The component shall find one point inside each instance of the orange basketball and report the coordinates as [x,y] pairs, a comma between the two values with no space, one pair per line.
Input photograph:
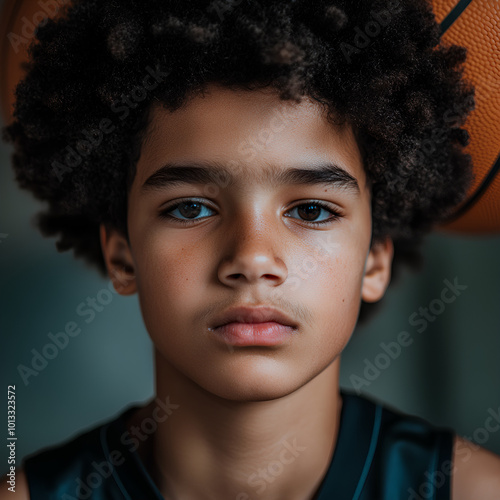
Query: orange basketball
[474,24]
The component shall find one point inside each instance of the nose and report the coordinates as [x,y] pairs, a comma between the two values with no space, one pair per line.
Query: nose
[252,257]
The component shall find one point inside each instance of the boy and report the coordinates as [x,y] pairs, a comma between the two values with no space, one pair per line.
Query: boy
[199,153]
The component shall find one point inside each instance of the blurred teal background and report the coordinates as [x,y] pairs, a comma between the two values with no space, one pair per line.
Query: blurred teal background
[449,375]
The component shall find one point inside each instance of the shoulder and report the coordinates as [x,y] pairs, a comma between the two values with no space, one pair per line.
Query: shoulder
[21,488]
[409,456]
[476,472]
[50,471]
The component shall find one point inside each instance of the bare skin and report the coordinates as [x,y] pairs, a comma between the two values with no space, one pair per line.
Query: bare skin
[251,245]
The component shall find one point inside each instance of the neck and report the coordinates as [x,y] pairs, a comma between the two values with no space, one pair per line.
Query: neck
[211,447]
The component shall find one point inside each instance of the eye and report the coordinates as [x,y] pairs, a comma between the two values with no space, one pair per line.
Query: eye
[189,211]
[312,210]
[189,208]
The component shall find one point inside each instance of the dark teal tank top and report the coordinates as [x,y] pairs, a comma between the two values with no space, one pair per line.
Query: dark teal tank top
[381,454]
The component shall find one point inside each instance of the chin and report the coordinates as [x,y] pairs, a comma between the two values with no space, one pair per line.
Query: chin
[255,382]
[249,394]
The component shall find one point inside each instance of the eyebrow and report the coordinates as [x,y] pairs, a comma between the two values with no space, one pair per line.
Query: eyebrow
[175,174]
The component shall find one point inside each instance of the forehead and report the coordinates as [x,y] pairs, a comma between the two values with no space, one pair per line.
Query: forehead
[252,129]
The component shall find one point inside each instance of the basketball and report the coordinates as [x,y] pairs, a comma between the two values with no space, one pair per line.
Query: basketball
[473,24]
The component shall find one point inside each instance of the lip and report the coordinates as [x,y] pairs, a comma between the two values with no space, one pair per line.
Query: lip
[267,333]
[247,326]
[253,315]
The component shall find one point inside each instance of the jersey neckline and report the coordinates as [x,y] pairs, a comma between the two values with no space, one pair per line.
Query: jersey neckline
[357,438]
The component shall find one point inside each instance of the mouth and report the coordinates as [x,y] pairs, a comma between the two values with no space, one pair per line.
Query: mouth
[254,326]
[268,333]
[253,315]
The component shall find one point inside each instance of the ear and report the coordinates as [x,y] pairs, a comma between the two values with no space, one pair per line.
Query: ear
[119,261]
[377,271]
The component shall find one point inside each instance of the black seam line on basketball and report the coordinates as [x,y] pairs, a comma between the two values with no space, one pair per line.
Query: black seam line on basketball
[454,15]
[495,168]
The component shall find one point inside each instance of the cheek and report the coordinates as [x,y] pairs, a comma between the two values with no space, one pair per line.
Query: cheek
[168,279]
[332,291]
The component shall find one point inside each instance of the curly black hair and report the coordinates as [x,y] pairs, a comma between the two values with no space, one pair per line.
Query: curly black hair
[381,66]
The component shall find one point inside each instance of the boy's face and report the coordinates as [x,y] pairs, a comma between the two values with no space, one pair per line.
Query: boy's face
[250,242]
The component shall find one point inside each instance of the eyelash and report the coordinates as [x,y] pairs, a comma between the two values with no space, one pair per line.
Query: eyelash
[164,214]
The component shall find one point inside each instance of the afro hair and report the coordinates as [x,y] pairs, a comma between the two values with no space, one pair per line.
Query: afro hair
[82,109]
